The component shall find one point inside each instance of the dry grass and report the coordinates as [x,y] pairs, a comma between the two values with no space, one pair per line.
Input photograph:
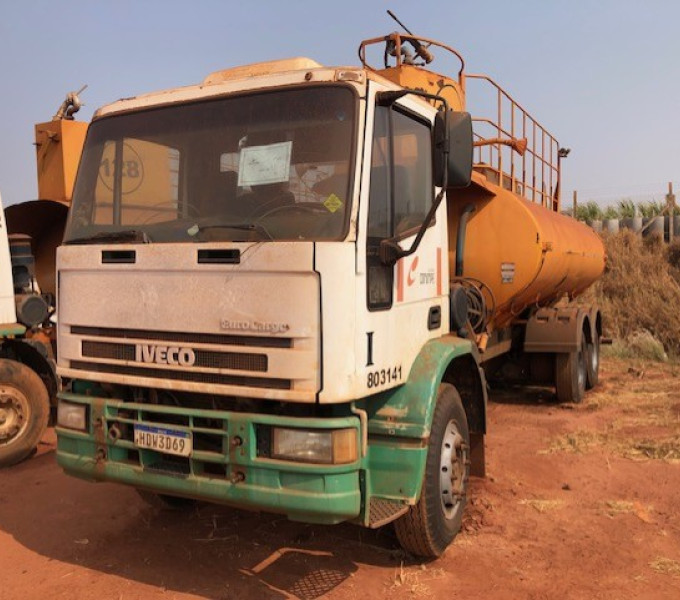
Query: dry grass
[542,506]
[618,507]
[577,442]
[640,292]
[415,579]
[666,566]
[640,402]
[619,441]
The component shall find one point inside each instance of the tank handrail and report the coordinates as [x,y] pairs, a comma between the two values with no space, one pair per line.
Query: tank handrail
[545,196]
[545,164]
[500,131]
[509,97]
[396,38]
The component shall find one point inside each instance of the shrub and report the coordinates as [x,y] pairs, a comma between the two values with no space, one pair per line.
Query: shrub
[627,209]
[651,209]
[590,211]
[611,213]
[640,291]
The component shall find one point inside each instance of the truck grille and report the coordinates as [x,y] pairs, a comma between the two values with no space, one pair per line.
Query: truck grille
[204,358]
[184,338]
[114,351]
[215,378]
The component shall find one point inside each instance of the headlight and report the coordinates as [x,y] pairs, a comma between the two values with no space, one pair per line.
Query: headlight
[337,446]
[72,416]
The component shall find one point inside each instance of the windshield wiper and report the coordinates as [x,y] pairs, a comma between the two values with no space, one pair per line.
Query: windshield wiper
[113,237]
[257,227]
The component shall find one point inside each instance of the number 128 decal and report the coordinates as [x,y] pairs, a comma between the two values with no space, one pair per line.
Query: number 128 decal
[382,377]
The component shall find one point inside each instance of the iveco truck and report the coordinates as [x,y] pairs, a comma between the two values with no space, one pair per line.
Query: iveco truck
[284,289]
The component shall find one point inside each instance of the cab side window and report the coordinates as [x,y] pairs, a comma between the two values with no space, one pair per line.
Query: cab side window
[402,146]
[411,155]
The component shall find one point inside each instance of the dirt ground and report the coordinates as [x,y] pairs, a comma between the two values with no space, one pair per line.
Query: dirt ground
[579,503]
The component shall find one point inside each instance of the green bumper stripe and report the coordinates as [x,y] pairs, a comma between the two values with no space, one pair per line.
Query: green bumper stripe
[330,500]
[312,493]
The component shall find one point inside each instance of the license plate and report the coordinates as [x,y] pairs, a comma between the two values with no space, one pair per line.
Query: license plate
[160,439]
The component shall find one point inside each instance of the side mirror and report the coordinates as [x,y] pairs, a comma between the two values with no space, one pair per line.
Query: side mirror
[456,129]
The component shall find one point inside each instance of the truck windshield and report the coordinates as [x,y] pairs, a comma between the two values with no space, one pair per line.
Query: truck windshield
[263,166]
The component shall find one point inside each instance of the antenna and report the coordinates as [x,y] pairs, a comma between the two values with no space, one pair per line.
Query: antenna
[389,12]
[421,50]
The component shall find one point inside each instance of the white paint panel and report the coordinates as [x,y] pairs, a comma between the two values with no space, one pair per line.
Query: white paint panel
[273,292]
[335,264]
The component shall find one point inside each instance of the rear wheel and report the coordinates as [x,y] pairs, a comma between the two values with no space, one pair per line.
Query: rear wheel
[571,375]
[24,410]
[593,362]
[430,526]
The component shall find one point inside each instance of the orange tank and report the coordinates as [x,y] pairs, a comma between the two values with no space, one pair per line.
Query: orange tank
[526,254]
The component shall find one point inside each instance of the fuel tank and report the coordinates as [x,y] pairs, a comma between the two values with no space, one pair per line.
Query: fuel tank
[525,253]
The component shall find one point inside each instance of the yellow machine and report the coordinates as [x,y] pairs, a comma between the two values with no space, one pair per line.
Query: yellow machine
[58,143]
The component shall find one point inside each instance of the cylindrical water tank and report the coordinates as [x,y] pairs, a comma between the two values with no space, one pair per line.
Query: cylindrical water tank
[526,254]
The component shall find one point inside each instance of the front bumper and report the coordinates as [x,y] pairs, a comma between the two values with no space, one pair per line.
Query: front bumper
[218,469]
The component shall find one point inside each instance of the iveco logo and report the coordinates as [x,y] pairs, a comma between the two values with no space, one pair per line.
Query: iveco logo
[165,355]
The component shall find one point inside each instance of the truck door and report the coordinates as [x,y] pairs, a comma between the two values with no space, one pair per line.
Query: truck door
[404,302]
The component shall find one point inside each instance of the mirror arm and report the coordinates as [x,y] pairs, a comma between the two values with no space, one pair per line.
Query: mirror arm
[389,254]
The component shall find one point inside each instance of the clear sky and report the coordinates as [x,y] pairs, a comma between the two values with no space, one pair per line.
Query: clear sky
[602,75]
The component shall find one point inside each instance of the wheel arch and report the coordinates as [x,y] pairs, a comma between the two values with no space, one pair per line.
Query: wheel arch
[591,323]
[558,329]
[406,411]
[465,374]
[36,356]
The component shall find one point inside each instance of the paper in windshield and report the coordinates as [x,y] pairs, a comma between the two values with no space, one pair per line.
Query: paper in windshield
[265,164]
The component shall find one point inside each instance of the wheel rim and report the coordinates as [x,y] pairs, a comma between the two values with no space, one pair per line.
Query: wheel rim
[452,470]
[14,414]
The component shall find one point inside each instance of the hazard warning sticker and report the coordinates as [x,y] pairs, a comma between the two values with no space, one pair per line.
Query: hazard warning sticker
[332,203]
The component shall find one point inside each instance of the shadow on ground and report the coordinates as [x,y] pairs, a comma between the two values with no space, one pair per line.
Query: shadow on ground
[211,551]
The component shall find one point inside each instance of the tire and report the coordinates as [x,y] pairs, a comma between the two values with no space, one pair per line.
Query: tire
[571,375]
[24,411]
[430,526]
[166,501]
[593,362]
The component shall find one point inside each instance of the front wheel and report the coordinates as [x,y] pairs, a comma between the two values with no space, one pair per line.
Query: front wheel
[24,411]
[430,526]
